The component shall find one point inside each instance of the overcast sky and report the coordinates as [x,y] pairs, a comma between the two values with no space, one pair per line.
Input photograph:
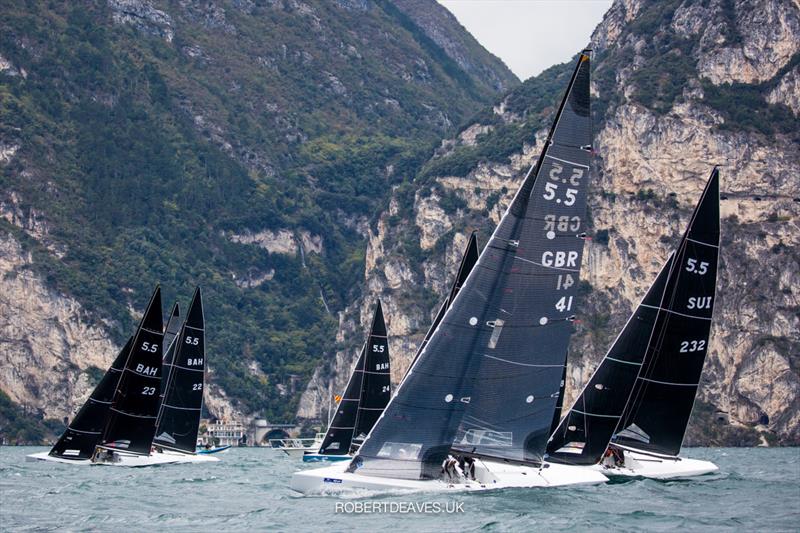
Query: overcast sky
[530,35]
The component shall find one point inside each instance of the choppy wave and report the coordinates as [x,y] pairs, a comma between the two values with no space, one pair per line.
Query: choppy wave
[756,489]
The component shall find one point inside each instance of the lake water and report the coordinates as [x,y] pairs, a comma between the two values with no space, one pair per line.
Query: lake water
[756,489]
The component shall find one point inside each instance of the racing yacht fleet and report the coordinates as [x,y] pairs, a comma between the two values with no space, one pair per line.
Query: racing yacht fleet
[480,406]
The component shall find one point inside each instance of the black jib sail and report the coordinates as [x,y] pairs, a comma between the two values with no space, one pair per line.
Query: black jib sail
[340,431]
[131,422]
[376,385]
[659,407]
[179,417]
[500,348]
[583,436]
[86,429]
[468,261]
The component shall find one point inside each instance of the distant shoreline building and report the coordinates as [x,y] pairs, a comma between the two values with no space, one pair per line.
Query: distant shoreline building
[221,433]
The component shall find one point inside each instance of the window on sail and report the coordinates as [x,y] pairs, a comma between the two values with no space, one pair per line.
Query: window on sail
[487,437]
[572,447]
[498,328]
[400,450]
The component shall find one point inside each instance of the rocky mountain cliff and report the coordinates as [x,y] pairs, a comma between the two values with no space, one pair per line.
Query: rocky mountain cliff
[242,145]
[679,86]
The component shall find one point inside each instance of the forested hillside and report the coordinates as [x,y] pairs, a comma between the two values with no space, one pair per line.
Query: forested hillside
[240,145]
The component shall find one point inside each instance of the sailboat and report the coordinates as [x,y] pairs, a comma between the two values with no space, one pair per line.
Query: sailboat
[130,426]
[367,393]
[76,445]
[631,416]
[486,384]
[179,414]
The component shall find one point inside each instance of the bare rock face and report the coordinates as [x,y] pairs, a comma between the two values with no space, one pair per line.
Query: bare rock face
[281,241]
[143,16]
[787,92]
[758,37]
[649,171]
[44,334]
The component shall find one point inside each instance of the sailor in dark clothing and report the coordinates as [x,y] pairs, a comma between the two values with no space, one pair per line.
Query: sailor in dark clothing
[469,468]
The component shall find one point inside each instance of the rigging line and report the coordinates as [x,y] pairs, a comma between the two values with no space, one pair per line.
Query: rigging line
[595,414]
[187,368]
[621,361]
[545,266]
[666,310]
[703,243]
[182,408]
[135,373]
[85,432]
[520,364]
[669,382]
[568,162]
[522,274]
[130,414]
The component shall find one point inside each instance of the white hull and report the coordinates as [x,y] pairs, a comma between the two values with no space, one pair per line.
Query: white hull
[43,456]
[130,460]
[489,476]
[296,452]
[640,465]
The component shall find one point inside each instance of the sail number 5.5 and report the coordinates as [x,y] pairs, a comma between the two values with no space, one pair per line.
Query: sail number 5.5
[149,347]
[698,268]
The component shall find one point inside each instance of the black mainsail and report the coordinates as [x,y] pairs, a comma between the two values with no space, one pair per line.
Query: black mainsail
[488,378]
[468,261]
[661,402]
[131,421]
[367,393]
[340,431]
[85,430]
[376,385]
[179,417]
[583,435]
[535,259]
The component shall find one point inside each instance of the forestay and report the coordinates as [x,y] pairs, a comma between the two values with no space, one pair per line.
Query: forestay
[659,407]
[583,435]
[179,416]
[498,353]
[131,422]
[86,428]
